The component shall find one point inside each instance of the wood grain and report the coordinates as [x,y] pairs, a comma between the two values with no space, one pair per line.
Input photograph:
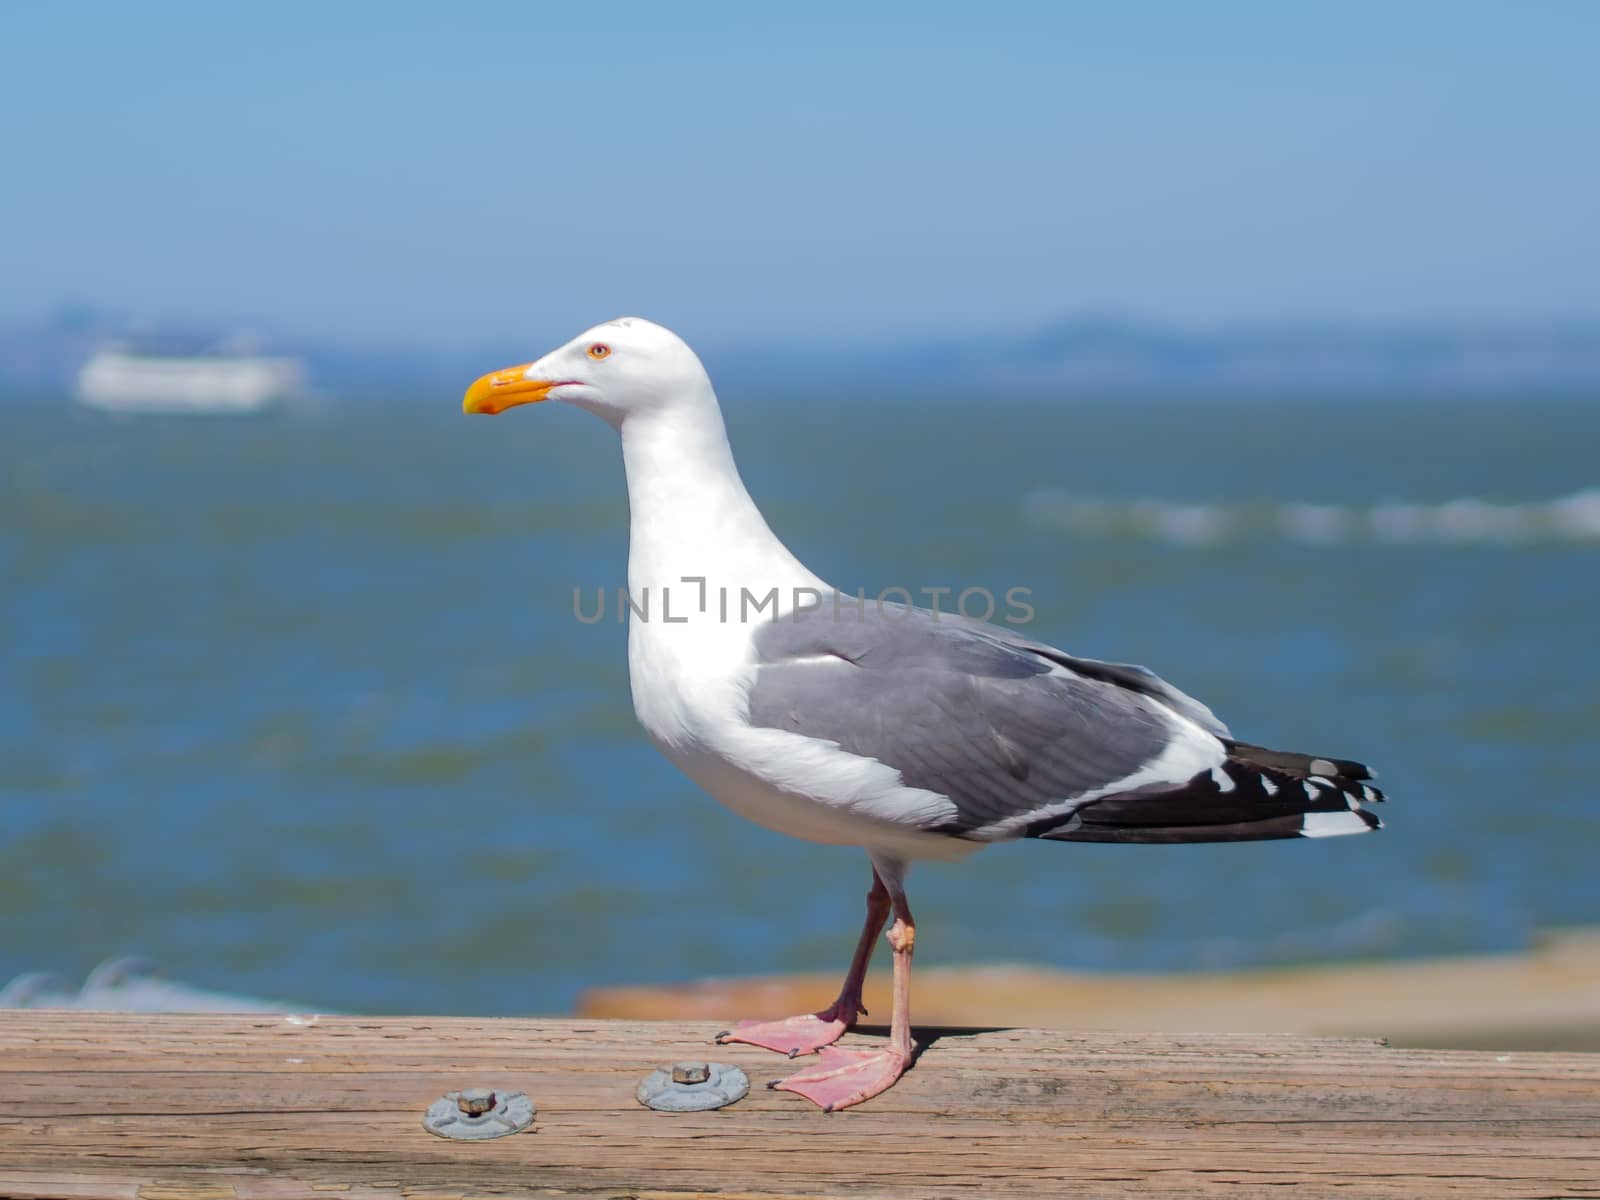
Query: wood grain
[209,1107]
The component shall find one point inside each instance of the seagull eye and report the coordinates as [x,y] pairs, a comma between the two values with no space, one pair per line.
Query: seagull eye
[599,350]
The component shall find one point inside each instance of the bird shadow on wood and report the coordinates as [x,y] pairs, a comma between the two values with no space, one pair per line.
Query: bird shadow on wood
[924,1036]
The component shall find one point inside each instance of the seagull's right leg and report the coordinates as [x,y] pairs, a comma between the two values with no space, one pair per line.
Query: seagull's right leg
[811,1032]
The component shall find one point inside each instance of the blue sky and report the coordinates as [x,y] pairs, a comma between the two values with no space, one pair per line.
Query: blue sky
[476,172]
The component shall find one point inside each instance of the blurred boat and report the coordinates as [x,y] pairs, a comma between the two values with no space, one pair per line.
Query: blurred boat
[225,380]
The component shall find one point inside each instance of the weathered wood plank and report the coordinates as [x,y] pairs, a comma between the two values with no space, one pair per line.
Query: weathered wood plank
[186,1107]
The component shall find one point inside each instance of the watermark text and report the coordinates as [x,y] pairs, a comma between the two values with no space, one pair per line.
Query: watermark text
[692,598]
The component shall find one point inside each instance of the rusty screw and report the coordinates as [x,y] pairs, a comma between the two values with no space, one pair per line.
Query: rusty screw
[474,1102]
[691,1073]
[692,1087]
[476,1114]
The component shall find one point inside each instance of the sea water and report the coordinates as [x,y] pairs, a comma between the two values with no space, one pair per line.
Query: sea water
[299,707]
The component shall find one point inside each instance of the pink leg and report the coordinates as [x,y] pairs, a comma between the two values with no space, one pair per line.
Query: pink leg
[809,1033]
[845,1077]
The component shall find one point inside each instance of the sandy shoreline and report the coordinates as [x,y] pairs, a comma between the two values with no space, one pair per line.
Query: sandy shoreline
[1544,998]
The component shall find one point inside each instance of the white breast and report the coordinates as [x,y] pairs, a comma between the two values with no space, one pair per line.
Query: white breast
[697,546]
[690,691]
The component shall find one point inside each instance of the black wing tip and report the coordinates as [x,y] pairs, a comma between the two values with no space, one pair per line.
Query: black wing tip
[1300,764]
[1239,800]
[1299,825]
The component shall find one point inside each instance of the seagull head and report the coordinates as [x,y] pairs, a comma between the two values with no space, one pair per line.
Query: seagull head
[616,370]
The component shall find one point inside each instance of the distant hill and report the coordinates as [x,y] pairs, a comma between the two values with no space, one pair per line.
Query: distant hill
[1100,354]
[1083,354]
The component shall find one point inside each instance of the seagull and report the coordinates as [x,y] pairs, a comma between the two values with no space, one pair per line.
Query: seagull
[911,733]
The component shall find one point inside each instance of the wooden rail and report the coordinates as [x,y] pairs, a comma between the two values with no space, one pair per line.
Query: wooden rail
[216,1107]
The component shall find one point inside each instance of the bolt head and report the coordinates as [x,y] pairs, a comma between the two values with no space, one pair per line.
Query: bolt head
[474,1102]
[691,1073]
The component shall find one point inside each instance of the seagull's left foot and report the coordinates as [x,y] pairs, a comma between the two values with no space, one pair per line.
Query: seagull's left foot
[792,1036]
[846,1077]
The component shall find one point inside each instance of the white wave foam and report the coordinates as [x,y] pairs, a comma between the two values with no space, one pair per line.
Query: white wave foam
[1464,521]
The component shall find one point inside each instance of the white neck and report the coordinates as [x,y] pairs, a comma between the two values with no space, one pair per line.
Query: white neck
[690,515]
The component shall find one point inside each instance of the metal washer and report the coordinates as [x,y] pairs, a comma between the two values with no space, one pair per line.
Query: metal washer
[722,1086]
[512,1113]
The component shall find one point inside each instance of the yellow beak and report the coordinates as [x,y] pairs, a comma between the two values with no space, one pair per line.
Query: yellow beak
[500,390]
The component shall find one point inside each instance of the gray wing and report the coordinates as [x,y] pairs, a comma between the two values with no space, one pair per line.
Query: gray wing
[1002,726]
[1024,739]
[1134,679]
